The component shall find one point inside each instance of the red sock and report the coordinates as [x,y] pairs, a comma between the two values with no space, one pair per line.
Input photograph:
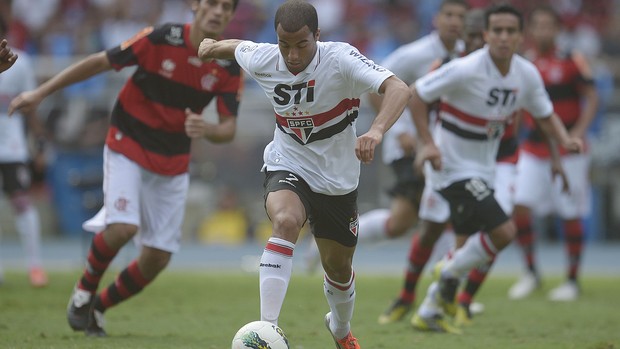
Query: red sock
[418,256]
[127,284]
[474,281]
[574,237]
[99,258]
[525,238]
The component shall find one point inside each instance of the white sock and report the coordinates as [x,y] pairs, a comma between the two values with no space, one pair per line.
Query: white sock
[373,225]
[29,228]
[276,266]
[429,306]
[341,300]
[478,250]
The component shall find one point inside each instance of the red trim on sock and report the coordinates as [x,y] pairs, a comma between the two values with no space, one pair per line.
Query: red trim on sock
[281,249]
[464,298]
[341,288]
[136,274]
[486,246]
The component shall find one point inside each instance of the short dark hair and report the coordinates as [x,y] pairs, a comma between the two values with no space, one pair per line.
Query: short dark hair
[453,2]
[294,15]
[235,3]
[503,8]
[546,9]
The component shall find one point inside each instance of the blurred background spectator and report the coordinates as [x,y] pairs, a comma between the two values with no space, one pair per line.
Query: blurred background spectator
[60,31]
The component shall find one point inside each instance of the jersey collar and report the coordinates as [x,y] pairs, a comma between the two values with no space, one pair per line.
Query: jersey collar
[281,66]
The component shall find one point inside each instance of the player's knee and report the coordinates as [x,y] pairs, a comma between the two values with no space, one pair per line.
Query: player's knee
[337,268]
[122,231]
[285,225]
[504,234]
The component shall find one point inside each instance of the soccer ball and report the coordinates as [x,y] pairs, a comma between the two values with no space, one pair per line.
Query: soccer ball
[260,335]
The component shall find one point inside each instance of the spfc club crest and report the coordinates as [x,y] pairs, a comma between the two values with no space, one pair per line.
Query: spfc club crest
[354,225]
[301,127]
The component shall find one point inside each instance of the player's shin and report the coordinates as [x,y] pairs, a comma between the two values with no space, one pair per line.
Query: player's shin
[274,273]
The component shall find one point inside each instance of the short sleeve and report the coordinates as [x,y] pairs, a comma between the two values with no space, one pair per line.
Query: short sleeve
[537,102]
[438,82]
[366,75]
[245,52]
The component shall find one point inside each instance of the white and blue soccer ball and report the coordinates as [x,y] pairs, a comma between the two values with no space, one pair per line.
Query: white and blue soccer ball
[260,335]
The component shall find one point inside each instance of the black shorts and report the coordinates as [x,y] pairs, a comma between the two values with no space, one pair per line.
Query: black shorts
[332,217]
[15,177]
[473,207]
[409,185]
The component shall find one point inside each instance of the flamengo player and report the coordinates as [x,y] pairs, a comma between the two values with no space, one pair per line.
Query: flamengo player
[146,156]
[478,94]
[569,82]
[311,167]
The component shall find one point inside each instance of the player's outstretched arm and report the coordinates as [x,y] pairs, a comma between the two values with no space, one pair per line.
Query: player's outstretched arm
[7,57]
[553,128]
[396,95]
[428,151]
[213,49]
[82,70]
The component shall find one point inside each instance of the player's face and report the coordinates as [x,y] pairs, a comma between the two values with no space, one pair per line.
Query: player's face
[503,35]
[297,48]
[212,16]
[544,29]
[473,38]
[449,21]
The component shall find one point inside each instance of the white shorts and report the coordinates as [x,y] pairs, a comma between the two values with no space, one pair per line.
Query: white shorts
[543,195]
[133,195]
[435,208]
[505,177]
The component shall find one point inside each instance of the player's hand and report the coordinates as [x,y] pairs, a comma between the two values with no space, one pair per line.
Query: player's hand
[557,170]
[204,48]
[366,144]
[428,152]
[573,145]
[7,57]
[25,102]
[195,125]
[407,143]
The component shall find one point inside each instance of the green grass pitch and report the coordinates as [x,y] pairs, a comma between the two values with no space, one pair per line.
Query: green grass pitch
[204,310]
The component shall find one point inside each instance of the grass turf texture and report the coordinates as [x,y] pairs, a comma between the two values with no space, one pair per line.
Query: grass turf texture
[204,310]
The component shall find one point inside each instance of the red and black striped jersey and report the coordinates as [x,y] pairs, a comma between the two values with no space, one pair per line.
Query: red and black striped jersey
[565,76]
[147,122]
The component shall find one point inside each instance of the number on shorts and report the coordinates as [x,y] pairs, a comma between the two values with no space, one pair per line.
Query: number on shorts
[477,188]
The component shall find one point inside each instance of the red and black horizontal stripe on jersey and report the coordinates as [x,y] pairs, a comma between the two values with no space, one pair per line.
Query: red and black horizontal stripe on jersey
[345,106]
[444,107]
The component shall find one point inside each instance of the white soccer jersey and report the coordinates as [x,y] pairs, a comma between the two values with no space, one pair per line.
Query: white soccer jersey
[410,62]
[476,102]
[315,111]
[19,78]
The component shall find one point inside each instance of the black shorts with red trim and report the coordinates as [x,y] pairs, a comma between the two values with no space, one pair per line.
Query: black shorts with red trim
[333,217]
[473,207]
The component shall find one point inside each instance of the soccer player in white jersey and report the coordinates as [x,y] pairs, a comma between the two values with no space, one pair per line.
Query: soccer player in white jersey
[7,57]
[15,173]
[478,94]
[410,62]
[312,166]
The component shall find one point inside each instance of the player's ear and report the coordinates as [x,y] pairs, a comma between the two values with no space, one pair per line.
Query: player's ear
[195,4]
[317,35]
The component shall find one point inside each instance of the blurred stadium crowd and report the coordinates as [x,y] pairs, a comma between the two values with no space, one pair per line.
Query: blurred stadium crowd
[56,32]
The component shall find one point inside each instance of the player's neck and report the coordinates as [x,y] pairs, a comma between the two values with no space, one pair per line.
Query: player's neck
[448,44]
[502,65]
